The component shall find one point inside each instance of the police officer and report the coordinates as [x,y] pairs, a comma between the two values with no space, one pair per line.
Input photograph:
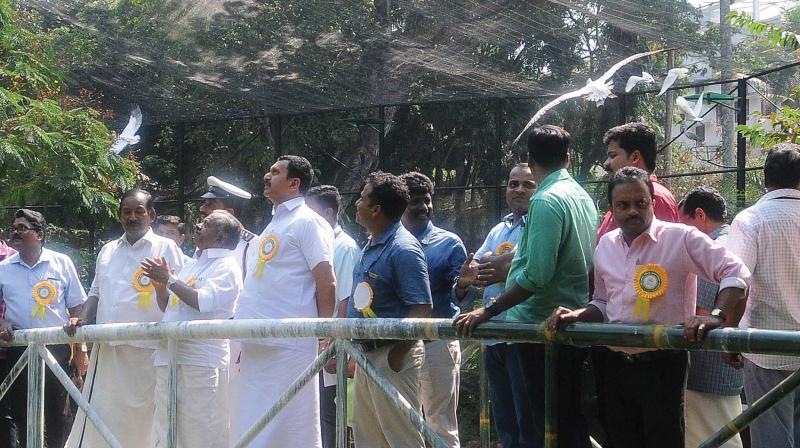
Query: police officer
[222,195]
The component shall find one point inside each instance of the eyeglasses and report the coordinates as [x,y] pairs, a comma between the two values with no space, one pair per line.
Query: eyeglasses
[20,229]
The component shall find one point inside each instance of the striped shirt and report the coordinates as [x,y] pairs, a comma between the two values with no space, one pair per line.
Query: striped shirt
[766,237]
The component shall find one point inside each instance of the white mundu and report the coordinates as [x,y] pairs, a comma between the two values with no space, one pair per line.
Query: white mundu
[120,383]
[279,284]
[202,364]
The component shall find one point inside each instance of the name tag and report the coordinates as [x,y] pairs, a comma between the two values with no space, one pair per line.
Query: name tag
[372,275]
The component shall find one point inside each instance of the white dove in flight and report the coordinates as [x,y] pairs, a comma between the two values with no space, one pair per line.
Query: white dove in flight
[646,78]
[672,75]
[692,111]
[595,90]
[128,135]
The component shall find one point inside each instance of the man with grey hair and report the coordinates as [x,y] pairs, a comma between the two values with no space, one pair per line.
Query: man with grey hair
[205,290]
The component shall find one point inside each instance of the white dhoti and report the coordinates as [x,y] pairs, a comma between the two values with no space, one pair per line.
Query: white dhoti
[202,407]
[707,413]
[233,392]
[266,373]
[120,387]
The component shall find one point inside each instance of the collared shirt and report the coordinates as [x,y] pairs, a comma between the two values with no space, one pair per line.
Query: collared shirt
[18,287]
[117,264]
[394,267]
[445,254]
[217,278]
[767,237]
[503,238]
[554,255]
[6,250]
[708,373]
[295,242]
[664,207]
[345,255]
[682,251]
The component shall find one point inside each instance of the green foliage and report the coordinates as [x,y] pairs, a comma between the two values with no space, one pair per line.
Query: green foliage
[49,154]
[780,126]
[774,35]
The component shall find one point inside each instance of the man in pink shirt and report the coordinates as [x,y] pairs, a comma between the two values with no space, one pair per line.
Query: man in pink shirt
[645,273]
[634,144]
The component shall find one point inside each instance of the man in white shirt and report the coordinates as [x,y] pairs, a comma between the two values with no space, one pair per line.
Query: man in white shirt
[120,384]
[325,200]
[41,289]
[766,237]
[291,275]
[206,290]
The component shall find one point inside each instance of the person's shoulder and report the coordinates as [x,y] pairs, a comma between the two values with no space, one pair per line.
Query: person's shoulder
[446,235]
[347,241]
[247,236]
[403,239]
[58,257]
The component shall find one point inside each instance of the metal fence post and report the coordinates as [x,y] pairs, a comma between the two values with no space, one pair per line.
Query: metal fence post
[35,433]
[550,395]
[172,410]
[341,396]
[483,393]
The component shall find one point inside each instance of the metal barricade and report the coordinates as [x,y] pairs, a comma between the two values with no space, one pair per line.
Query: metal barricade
[37,356]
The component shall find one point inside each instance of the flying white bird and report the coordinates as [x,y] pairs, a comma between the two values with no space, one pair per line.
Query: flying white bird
[128,135]
[672,75]
[646,78]
[692,111]
[596,91]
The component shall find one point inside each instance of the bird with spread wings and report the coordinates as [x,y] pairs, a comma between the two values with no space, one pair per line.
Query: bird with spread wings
[128,135]
[595,90]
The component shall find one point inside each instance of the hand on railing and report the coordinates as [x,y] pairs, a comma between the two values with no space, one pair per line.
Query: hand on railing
[72,324]
[6,331]
[696,328]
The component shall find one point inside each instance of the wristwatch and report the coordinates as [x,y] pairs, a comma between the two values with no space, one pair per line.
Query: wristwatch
[716,312]
[491,308]
[171,281]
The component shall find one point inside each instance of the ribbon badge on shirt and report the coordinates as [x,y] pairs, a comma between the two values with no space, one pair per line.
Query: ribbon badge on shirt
[145,287]
[43,292]
[266,252]
[362,299]
[504,248]
[173,299]
[650,282]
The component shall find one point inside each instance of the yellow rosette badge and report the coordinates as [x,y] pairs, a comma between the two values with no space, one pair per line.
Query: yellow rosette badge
[266,252]
[44,292]
[504,248]
[173,299]
[145,287]
[362,299]
[650,282]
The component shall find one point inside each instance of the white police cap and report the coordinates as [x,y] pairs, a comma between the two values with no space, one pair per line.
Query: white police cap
[218,189]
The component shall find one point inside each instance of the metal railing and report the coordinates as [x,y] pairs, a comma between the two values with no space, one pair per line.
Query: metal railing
[341,330]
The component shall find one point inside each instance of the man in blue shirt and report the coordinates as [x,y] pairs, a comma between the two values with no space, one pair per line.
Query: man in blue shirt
[440,376]
[40,289]
[389,281]
[511,413]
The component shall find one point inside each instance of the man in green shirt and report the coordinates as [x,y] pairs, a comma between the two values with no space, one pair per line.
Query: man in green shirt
[550,269]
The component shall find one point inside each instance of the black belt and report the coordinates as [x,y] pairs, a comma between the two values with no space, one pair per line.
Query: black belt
[368,345]
[653,355]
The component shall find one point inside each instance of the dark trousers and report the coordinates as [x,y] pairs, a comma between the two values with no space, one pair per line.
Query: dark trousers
[55,400]
[572,429]
[327,413]
[510,410]
[643,399]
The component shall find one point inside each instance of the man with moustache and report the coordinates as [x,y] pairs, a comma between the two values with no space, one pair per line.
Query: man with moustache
[390,281]
[291,275]
[510,410]
[40,288]
[223,195]
[646,273]
[120,384]
[444,251]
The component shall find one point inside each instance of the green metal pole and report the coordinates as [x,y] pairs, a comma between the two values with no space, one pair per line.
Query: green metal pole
[483,391]
[761,405]
[550,396]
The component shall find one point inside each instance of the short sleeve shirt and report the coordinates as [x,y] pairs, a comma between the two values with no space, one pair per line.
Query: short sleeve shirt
[503,238]
[279,283]
[39,296]
[445,253]
[345,255]
[394,272]
[120,298]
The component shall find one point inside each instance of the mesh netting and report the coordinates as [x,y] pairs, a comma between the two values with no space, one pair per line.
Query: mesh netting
[192,60]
